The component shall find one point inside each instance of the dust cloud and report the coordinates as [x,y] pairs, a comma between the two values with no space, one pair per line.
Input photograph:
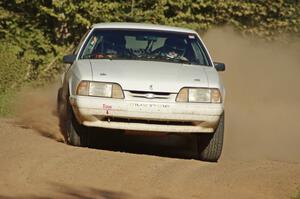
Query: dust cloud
[262,95]
[36,109]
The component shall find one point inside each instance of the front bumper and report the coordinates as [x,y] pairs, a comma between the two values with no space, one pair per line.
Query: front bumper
[146,116]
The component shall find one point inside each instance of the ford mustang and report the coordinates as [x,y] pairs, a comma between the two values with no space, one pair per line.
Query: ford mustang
[146,78]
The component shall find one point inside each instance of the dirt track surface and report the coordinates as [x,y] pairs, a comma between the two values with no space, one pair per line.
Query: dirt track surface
[33,166]
[261,156]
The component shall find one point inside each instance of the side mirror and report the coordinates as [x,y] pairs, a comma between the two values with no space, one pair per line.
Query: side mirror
[69,59]
[219,66]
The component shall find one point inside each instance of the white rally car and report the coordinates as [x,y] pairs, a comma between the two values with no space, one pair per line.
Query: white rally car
[143,77]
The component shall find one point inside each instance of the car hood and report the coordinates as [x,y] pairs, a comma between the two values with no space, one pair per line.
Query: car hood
[150,76]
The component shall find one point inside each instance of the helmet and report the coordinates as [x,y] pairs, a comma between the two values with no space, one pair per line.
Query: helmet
[175,44]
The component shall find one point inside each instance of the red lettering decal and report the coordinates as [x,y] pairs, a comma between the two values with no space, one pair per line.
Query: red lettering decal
[107,107]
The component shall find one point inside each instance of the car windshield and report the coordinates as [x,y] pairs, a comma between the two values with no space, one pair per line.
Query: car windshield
[145,45]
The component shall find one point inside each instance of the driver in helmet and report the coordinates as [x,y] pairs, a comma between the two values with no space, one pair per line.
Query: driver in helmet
[174,48]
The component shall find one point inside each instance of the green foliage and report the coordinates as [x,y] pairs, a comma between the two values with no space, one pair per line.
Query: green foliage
[63,20]
[12,69]
[25,53]
[6,103]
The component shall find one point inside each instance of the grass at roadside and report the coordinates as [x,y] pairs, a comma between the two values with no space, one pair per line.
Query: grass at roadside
[297,196]
[6,103]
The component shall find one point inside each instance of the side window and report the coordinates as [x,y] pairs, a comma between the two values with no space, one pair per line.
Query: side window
[80,43]
[93,44]
[199,53]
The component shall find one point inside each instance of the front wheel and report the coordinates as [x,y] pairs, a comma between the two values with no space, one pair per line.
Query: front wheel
[77,134]
[210,145]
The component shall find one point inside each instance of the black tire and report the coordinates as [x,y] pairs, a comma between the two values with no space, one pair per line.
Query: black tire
[77,134]
[59,102]
[210,145]
[62,113]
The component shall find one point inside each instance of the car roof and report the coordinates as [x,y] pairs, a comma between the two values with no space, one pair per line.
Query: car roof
[143,26]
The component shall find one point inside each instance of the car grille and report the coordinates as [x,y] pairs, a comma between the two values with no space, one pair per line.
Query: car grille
[150,96]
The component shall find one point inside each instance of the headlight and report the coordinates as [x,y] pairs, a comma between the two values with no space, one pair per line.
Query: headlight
[201,95]
[100,89]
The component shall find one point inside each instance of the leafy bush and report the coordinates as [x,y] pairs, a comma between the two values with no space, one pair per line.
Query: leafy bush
[63,20]
[6,103]
[13,69]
